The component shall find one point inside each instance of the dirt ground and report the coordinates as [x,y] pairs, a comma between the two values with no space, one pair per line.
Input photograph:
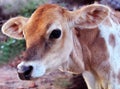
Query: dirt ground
[9,80]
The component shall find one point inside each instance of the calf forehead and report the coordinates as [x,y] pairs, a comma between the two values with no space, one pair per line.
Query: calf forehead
[44,16]
[41,20]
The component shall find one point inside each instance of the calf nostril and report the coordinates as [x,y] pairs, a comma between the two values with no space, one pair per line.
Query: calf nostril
[26,72]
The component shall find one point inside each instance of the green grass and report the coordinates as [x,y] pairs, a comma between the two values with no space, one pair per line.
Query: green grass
[10,49]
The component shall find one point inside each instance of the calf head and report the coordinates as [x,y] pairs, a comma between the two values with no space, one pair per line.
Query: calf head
[50,38]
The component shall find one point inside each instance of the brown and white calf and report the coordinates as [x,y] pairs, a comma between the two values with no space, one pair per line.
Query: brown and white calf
[84,41]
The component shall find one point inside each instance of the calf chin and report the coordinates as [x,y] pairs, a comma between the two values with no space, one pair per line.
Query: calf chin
[24,77]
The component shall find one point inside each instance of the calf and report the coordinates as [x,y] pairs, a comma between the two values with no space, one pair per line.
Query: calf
[83,41]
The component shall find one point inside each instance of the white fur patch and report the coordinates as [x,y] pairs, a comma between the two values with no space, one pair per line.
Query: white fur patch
[114,52]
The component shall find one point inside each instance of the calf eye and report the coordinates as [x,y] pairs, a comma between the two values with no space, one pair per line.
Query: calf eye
[56,33]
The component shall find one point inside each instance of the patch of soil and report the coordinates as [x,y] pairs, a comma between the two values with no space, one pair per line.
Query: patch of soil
[9,80]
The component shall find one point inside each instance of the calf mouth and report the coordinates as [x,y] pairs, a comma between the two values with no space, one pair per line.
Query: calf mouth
[22,76]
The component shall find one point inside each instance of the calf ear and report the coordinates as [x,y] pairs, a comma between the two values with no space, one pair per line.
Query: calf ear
[90,16]
[14,27]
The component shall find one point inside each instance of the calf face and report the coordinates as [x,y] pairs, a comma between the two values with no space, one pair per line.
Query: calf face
[49,36]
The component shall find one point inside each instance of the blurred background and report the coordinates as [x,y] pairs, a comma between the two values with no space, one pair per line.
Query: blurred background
[10,49]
